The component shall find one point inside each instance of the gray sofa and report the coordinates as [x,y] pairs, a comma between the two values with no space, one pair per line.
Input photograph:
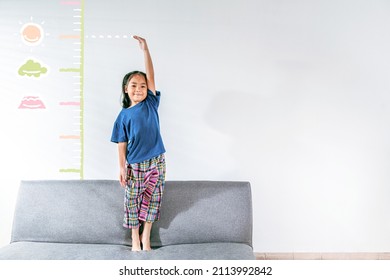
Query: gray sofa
[72,219]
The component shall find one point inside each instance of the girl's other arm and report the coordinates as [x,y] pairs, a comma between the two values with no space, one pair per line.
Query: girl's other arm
[122,146]
[148,64]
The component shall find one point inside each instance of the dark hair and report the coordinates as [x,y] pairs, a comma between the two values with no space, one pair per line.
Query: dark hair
[126,102]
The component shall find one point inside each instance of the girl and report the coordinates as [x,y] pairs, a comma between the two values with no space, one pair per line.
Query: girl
[141,151]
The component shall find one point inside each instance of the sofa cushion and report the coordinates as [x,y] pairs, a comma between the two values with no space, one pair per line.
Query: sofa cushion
[68,251]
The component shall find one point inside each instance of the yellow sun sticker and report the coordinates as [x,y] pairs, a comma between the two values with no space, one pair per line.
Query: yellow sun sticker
[32,34]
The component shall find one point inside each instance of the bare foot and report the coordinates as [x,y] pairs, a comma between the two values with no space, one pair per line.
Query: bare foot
[135,246]
[135,241]
[145,244]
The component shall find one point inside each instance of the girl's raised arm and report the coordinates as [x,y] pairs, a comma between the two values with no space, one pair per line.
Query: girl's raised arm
[148,64]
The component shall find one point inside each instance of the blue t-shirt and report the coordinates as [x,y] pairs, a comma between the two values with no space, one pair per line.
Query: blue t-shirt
[139,126]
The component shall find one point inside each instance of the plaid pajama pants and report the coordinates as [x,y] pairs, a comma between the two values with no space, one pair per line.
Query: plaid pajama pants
[144,190]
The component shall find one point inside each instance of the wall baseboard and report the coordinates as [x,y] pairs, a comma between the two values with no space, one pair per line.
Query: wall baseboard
[323,256]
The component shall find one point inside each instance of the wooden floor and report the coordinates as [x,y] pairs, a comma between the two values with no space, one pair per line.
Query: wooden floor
[322,256]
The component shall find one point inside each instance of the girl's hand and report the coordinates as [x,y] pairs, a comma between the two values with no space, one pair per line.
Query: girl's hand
[148,64]
[142,43]
[123,177]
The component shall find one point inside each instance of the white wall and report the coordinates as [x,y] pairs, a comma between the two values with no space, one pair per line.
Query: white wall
[292,96]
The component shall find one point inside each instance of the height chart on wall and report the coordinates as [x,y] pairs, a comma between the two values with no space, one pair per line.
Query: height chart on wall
[75,102]
[51,73]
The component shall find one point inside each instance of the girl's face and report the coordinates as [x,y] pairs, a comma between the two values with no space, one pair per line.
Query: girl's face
[137,89]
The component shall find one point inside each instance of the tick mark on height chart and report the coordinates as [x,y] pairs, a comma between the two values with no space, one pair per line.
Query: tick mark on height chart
[69,103]
[70,3]
[100,36]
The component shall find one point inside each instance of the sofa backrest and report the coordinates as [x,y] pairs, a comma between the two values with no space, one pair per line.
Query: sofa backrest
[91,211]
[204,212]
[69,211]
